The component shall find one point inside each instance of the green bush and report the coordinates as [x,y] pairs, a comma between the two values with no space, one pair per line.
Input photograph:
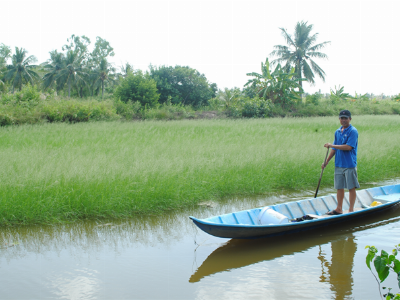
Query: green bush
[251,108]
[74,111]
[128,110]
[313,99]
[138,87]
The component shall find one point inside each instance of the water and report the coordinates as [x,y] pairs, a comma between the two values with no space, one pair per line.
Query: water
[166,257]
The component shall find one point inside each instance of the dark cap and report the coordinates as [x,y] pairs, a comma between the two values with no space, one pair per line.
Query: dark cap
[345,113]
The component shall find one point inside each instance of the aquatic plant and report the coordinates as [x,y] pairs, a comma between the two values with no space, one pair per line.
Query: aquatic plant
[384,264]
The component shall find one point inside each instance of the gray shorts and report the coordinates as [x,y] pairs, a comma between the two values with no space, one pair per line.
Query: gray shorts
[346,178]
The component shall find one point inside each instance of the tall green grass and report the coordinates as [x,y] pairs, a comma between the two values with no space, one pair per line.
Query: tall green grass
[58,172]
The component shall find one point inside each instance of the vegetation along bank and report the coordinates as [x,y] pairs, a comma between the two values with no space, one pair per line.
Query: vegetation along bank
[60,172]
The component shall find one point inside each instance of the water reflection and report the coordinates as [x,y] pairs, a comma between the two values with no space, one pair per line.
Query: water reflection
[338,272]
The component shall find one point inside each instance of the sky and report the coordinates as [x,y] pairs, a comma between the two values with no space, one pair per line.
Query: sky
[223,40]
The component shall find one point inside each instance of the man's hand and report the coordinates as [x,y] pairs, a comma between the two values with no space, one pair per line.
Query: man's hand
[328,145]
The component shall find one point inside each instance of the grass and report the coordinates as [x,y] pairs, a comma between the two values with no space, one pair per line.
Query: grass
[62,172]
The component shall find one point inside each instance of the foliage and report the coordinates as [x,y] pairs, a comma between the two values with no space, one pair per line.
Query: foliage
[101,75]
[183,85]
[52,69]
[229,96]
[128,110]
[21,69]
[74,111]
[300,52]
[72,72]
[278,86]
[314,98]
[138,87]
[56,172]
[339,95]
[28,96]
[360,97]
[383,264]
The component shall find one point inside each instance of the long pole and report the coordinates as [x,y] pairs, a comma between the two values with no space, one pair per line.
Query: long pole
[322,172]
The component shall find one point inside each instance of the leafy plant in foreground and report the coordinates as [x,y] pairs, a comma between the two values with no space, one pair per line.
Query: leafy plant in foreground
[384,263]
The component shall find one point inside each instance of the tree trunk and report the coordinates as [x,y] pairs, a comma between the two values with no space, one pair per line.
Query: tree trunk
[69,89]
[102,89]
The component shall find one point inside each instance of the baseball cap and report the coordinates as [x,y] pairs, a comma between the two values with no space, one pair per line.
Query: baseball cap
[345,113]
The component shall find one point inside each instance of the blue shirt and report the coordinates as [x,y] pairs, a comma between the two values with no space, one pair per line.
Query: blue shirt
[343,158]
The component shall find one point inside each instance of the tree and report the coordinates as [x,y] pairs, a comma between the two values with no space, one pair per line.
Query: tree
[53,66]
[183,85]
[72,72]
[278,86]
[229,96]
[101,74]
[78,45]
[138,87]
[300,51]
[5,54]
[126,69]
[21,69]
[102,50]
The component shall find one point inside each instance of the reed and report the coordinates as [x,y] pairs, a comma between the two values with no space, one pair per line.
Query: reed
[60,172]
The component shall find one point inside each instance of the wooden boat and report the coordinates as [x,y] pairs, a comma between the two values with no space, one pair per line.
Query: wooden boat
[248,224]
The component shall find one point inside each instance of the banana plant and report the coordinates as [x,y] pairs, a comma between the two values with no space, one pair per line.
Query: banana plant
[278,86]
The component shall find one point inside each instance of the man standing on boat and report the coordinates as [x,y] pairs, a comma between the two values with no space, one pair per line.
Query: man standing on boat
[344,148]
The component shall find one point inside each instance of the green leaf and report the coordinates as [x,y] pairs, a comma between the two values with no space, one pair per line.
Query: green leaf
[396,267]
[381,268]
[384,254]
[369,258]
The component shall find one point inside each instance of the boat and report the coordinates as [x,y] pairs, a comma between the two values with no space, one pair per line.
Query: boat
[297,216]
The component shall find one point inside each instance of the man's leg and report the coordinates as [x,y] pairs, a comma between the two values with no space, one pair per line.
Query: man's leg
[339,196]
[352,196]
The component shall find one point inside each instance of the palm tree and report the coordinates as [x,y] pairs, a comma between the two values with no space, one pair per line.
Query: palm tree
[53,67]
[21,69]
[101,74]
[72,71]
[300,52]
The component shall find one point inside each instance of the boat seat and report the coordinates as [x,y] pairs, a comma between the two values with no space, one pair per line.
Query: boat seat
[388,198]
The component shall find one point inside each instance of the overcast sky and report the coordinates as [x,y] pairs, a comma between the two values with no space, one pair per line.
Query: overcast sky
[222,39]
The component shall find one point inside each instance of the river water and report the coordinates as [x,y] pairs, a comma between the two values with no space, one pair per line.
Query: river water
[166,257]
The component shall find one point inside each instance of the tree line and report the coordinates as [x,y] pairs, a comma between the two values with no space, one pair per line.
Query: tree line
[76,71]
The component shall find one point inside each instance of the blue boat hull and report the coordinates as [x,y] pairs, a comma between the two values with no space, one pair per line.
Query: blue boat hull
[244,224]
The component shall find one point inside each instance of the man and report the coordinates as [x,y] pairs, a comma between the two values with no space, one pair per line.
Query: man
[344,148]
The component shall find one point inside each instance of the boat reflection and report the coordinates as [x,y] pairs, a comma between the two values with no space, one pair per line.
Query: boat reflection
[240,253]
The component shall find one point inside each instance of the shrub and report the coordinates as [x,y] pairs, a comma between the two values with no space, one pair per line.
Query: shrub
[138,87]
[313,99]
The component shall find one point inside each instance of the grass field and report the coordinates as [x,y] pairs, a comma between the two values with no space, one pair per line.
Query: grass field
[60,172]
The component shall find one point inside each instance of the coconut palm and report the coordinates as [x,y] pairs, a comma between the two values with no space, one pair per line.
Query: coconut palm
[53,67]
[21,69]
[300,51]
[72,72]
[101,74]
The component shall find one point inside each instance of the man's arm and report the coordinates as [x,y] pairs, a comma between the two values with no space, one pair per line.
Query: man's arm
[339,147]
[331,154]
